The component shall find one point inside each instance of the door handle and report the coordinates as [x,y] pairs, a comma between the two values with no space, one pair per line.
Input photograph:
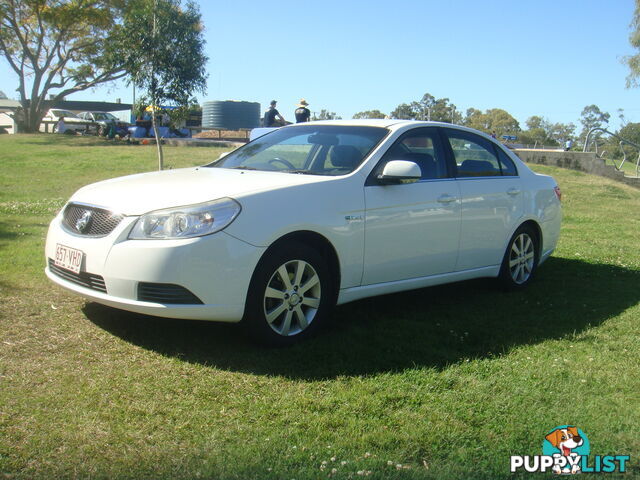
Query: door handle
[446,198]
[513,191]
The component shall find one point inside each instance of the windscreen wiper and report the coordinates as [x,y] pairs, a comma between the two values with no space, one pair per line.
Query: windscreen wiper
[303,171]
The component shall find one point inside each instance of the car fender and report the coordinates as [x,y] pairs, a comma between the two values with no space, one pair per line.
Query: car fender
[333,209]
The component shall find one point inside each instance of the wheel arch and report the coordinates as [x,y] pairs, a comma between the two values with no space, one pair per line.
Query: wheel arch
[535,226]
[318,242]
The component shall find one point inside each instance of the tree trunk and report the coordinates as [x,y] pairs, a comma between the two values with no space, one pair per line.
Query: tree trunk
[31,115]
[154,98]
[158,142]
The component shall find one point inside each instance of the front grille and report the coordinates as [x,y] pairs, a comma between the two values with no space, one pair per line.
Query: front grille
[90,221]
[166,293]
[89,280]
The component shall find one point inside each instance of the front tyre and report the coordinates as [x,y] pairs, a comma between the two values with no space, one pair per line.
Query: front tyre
[290,295]
[521,259]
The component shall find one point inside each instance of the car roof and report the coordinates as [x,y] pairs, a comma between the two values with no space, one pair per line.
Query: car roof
[393,124]
[396,125]
[387,122]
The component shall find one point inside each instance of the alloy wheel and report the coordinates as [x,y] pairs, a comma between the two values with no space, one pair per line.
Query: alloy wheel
[522,258]
[292,297]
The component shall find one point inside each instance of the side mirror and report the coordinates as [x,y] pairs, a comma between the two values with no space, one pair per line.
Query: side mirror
[399,171]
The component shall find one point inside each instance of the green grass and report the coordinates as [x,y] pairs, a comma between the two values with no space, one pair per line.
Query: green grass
[438,383]
[629,167]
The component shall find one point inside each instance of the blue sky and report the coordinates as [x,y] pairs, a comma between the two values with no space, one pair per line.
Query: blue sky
[548,58]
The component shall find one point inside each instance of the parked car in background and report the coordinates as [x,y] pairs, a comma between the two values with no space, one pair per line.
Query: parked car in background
[102,120]
[277,232]
[71,121]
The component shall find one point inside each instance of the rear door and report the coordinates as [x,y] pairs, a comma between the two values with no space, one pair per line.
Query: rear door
[490,195]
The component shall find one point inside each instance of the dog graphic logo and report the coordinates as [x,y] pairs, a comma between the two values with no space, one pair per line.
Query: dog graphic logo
[566,451]
[566,441]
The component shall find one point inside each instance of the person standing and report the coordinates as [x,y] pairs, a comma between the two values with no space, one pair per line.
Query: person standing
[270,116]
[302,112]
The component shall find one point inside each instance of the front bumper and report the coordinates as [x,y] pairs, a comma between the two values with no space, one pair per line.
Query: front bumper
[216,268]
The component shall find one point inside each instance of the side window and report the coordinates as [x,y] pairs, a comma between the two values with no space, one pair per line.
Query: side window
[474,155]
[507,165]
[421,147]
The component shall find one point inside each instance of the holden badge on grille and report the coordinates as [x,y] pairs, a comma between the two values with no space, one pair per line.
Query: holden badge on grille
[82,224]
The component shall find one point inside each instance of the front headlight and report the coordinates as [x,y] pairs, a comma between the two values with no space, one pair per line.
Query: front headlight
[186,222]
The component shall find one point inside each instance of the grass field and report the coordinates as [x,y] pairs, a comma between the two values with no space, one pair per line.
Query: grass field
[629,166]
[438,383]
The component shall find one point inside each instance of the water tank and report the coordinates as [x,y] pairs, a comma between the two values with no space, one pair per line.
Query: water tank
[230,115]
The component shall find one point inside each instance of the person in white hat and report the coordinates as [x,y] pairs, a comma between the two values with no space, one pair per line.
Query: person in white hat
[302,112]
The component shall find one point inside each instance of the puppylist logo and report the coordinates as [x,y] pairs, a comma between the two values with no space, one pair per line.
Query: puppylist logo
[566,451]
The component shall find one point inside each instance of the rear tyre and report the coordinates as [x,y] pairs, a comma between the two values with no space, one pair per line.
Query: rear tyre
[290,295]
[520,261]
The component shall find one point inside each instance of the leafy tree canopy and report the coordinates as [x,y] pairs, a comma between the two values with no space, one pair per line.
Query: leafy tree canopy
[165,52]
[633,61]
[543,132]
[537,122]
[58,47]
[325,115]
[428,108]
[406,112]
[494,120]
[631,132]
[370,114]
[561,132]
[593,117]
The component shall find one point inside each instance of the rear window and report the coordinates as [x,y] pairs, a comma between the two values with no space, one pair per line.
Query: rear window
[476,156]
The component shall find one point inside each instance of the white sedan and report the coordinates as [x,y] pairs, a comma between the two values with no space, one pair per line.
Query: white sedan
[277,232]
[71,121]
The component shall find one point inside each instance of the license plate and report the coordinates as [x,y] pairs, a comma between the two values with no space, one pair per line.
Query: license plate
[68,258]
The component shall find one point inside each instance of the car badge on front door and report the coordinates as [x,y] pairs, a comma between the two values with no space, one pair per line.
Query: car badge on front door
[82,224]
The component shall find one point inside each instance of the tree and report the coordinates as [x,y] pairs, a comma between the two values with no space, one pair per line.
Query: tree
[633,61]
[473,116]
[494,120]
[613,147]
[404,112]
[428,108]
[591,117]
[167,60]
[441,110]
[537,131]
[631,132]
[561,132]
[536,122]
[325,115]
[541,131]
[370,114]
[57,48]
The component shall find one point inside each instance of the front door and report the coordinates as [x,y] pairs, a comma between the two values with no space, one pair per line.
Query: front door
[412,229]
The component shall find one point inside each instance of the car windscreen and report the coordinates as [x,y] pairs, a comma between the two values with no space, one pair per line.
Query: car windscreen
[309,149]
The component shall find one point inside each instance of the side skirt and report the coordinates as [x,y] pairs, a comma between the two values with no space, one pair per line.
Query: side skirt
[356,293]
